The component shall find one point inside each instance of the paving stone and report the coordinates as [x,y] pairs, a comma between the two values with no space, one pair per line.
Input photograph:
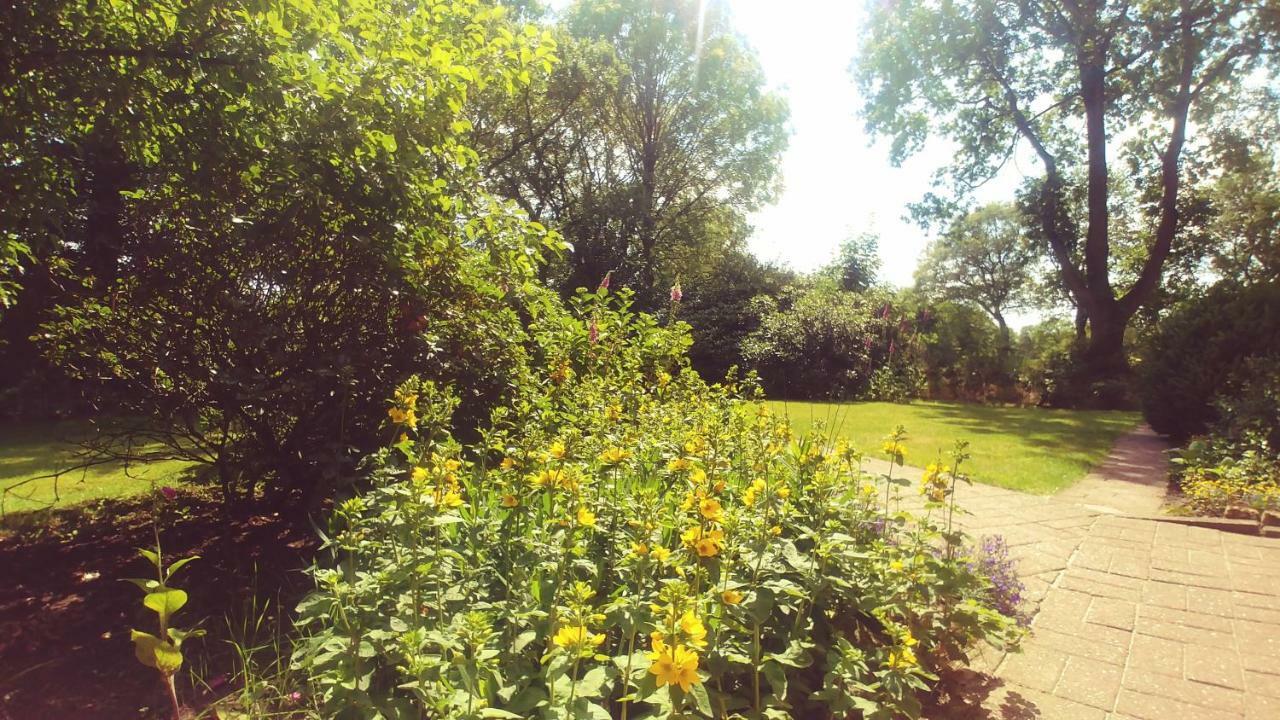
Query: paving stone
[1184,691]
[1264,708]
[1080,643]
[1258,638]
[1036,667]
[1017,703]
[1164,595]
[1157,655]
[1112,613]
[1215,666]
[1135,618]
[1192,619]
[1261,684]
[1156,707]
[1184,633]
[1090,683]
[1211,602]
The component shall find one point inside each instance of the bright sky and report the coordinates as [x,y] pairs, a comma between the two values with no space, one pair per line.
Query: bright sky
[835,182]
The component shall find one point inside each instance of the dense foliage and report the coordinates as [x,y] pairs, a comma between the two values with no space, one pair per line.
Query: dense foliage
[985,259]
[1200,353]
[1099,87]
[251,270]
[818,341]
[631,542]
[646,148]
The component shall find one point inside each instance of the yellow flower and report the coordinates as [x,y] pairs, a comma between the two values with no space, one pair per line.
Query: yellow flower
[639,549]
[902,658]
[452,499]
[896,451]
[586,518]
[508,463]
[692,627]
[510,500]
[614,456]
[408,402]
[775,531]
[731,597]
[403,417]
[675,666]
[896,566]
[661,554]
[557,450]
[749,497]
[784,492]
[404,437]
[546,478]
[706,544]
[613,413]
[710,509]
[572,637]
[678,464]
[420,474]
[707,547]
[663,378]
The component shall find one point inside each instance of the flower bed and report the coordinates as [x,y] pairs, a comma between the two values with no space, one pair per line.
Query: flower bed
[627,541]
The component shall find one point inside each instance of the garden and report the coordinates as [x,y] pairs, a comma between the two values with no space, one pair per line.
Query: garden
[386,360]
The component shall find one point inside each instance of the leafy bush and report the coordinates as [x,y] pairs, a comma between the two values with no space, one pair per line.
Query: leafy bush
[628,541]
[1235,469]
[308,233]
[1197,349]
[1220,478]
[821,342]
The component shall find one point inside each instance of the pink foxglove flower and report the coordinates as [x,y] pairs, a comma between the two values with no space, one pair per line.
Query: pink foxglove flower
[168,493]
[594,332]
[604,283]
[676,295]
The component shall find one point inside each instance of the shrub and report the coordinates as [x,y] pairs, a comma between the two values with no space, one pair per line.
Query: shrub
[314,234]
[1199,347]
[1230,478]
[821,342]
[629,541]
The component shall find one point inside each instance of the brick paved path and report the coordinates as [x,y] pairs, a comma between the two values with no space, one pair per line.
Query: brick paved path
[1137,617]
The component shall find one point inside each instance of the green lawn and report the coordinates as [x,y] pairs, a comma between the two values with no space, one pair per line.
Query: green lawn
[1030,449]
[33,449]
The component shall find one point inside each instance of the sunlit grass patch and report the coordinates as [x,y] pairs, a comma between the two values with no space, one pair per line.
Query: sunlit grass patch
[1031,449]
[32,450]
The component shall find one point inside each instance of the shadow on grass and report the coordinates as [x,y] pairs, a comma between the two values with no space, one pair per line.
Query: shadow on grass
[1078,431]
[65,615]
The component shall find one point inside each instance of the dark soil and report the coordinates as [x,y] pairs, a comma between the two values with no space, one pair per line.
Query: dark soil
[65,615]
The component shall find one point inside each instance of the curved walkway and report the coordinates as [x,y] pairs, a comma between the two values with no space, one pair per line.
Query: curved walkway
[1136,616]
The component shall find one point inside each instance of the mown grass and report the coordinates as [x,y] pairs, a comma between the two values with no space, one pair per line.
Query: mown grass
[32,450]
[1030,449]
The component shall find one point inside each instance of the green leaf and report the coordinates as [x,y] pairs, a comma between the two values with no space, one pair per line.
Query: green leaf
[155,653]
[175,567]
[151,555]
[165,602]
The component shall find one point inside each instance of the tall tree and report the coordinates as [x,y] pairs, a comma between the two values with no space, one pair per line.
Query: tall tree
[650,145]
[857,262]
[983,259]
[1079,82]
[260,218]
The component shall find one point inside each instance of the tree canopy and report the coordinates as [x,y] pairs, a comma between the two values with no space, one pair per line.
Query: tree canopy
[254,221]
[1083,85]
[985,259]
[649,145]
